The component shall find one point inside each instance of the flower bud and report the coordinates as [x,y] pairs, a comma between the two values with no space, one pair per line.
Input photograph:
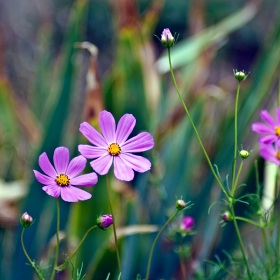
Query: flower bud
[227,217]
[166,38]
[26,220]
[187,224]
[180,204]
[104,221]
[244,154]
[240,75]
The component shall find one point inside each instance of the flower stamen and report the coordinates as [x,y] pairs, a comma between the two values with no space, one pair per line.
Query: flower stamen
[277,131]
[278,155]
[62,180]
[114,149]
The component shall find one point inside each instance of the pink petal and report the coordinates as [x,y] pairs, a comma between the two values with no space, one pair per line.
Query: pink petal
[61,159]
[102,164]
[108,126]
[76,166]
[142,142]
[124,128]
[269,153]
[91,151]
[72,194]
[278,116]
[52,190]
[86,180]
[122,171]
[262,128]
[138,163]
[268,139]
[92,135]
[46,166]
[266,117]
[43,179]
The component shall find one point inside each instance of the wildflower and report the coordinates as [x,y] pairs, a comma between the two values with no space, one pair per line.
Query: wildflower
[61,179]
[227,217]
[104,221]
[187,224]
[166,38]
[240,75]
[181,204]
[270,152]
[271,129]
[244,154]
[26,220]
[114,148]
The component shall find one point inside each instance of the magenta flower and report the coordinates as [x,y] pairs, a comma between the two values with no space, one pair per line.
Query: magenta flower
[187,224]
[60,180]
[270,152]
[114,148]
[271,129]
[104,221]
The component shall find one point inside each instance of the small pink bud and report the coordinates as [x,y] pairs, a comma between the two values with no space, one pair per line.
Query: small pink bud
[180,204]
[26,220]
[104,221]
[166,38]
[187,224]
[227,217]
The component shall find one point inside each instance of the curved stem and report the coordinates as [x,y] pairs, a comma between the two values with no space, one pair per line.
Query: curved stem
[194,127]
[64,265]
[114,225]
[240,243]
[57,238]
[248,221]
[235,135]
[155,241]
[27,256]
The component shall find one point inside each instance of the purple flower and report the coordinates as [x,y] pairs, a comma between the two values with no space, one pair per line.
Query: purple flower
[271,129]
[60,180]
[104,221]
[270,152]
[114,148]
[166,38]
[187,224]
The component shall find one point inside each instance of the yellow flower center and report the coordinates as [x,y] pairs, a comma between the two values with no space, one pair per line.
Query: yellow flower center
[114,149]
[62,180]
[278,155]
[277,131]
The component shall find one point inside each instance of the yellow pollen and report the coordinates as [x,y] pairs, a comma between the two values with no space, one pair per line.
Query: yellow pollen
[278,155]
[277,131]
[62,180]
[114,149]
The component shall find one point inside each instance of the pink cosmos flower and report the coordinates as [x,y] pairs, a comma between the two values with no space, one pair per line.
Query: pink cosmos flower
[270,152]
[271,129]
[114,148]
[60,180]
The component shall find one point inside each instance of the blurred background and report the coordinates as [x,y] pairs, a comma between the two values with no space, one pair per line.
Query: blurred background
[62,62]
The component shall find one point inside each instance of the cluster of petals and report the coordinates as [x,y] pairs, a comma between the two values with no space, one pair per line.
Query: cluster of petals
[70,171]
[270,136]
[124,161]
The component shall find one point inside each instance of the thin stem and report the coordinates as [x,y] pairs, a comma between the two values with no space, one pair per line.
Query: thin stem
[57,238]
[181,258]
[235,134]
[248,221]
[237,178]
[240,243]
[155,241]
[267,268]
[194,127]
[30,261]
[114,225]
[64,265]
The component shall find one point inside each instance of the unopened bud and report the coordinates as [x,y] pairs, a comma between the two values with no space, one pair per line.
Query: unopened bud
[240,75]
[166,38]
[26,220]
[104,221]
[227,217]
[244,154]
[180,204]
[187,224]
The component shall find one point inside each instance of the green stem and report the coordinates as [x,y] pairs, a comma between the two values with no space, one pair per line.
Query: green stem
[266,252]
[237,178]
[64,265]
[155,241]
[30,261]
[194,128]
[181,259]
[114,225]
[248,221]
[235,134]
[57,238]
[240,243]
